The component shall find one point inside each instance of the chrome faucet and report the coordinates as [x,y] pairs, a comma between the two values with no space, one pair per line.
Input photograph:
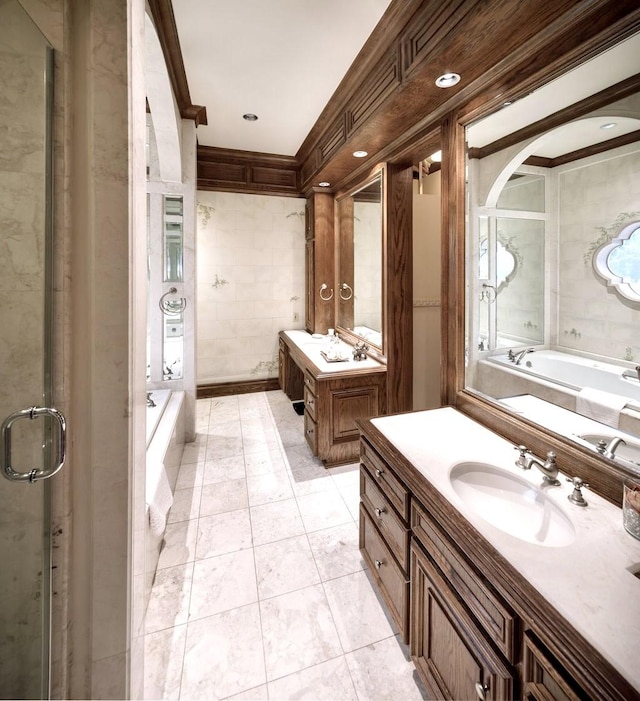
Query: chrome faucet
[517,357]
[150,401]
[632,374]
[549,468]
[609,449]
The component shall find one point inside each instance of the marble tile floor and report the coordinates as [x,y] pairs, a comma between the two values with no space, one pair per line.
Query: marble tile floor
[261,592]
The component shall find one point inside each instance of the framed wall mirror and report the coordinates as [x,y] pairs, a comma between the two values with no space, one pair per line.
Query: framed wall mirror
[360,298]
[553,257]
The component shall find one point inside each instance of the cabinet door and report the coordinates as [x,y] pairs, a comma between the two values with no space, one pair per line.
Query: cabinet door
[544,680]
[452,656]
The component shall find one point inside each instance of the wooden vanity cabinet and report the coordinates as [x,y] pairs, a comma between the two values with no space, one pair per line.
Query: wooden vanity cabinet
[476,631]
[333,401]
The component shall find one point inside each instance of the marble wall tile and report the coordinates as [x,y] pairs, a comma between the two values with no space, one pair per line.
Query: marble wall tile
[250,258]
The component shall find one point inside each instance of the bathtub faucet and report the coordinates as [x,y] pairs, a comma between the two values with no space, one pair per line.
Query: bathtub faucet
[517,357]
[150,401]
[633,374]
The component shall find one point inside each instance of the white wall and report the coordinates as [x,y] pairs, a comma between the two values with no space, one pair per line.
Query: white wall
[592,194]
[250,272]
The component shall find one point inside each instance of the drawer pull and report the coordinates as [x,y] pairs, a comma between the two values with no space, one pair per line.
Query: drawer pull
[378,564]
[379,512]
[309,432]
[379,472]
[481,691]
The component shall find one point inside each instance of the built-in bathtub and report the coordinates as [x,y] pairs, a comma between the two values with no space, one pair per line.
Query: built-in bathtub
[165,443]
[558,377]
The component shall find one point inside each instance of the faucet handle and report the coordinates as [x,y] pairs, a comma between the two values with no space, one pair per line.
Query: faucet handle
[576,496]
[522,457]
[551,458]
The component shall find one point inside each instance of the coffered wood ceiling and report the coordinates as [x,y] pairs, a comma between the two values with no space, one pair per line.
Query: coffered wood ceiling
[387,103]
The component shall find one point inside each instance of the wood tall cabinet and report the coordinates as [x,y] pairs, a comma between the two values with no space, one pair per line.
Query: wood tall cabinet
[474,632]
[319,263]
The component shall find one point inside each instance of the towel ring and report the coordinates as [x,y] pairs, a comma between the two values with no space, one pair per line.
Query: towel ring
[172,307]
[343,287]
[324,287]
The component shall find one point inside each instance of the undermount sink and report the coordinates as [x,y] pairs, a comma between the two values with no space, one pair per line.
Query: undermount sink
[512,504]
[626,451]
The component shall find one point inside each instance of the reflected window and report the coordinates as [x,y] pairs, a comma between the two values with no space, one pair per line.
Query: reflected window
[618,262]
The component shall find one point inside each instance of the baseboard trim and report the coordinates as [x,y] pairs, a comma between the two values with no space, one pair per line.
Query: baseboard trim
[220,389]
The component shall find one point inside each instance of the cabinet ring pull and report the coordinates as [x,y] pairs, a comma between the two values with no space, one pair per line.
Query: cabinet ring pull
[343,288]
[324,287]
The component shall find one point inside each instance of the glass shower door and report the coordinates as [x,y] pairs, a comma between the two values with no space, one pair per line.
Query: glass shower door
[32,434]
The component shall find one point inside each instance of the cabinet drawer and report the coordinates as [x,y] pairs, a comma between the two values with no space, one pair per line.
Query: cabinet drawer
[311,433]
[389,484]
[390,578]
[382,514]
[310,382]
[310,403]
[497,620]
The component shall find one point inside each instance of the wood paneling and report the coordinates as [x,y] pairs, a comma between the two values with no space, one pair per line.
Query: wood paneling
[398,288]
[221,389]
[228,170]
[165,24]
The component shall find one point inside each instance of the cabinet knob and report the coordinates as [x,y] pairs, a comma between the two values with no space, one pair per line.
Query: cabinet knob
[379,512]
[378,564]
[379,473]
[481,691]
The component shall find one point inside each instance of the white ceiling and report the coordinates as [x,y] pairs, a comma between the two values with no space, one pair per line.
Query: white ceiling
[279,59]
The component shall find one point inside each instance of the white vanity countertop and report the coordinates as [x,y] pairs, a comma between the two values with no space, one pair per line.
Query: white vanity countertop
[590,582]
[311,347]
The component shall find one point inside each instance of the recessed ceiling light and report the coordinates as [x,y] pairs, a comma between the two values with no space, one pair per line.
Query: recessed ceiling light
[250,117]
[447,80]
[324,183]
[360,154]
[609,125]
[436,157]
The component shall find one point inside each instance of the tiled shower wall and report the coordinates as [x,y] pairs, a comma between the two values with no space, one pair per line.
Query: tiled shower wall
[250,283]
[593,194]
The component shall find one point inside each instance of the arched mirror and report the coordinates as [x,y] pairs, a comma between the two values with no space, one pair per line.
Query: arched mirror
[554,337]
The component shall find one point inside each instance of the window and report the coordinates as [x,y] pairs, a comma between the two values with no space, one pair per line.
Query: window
[618,262]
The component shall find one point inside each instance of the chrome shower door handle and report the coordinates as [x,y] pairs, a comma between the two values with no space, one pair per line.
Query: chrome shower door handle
[34,474]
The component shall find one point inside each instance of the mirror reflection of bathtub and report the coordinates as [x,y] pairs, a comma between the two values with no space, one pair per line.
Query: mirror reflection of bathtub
[559,378]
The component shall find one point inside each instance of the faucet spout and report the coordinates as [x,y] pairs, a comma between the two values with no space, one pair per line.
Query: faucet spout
[517,358]
[549,467]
